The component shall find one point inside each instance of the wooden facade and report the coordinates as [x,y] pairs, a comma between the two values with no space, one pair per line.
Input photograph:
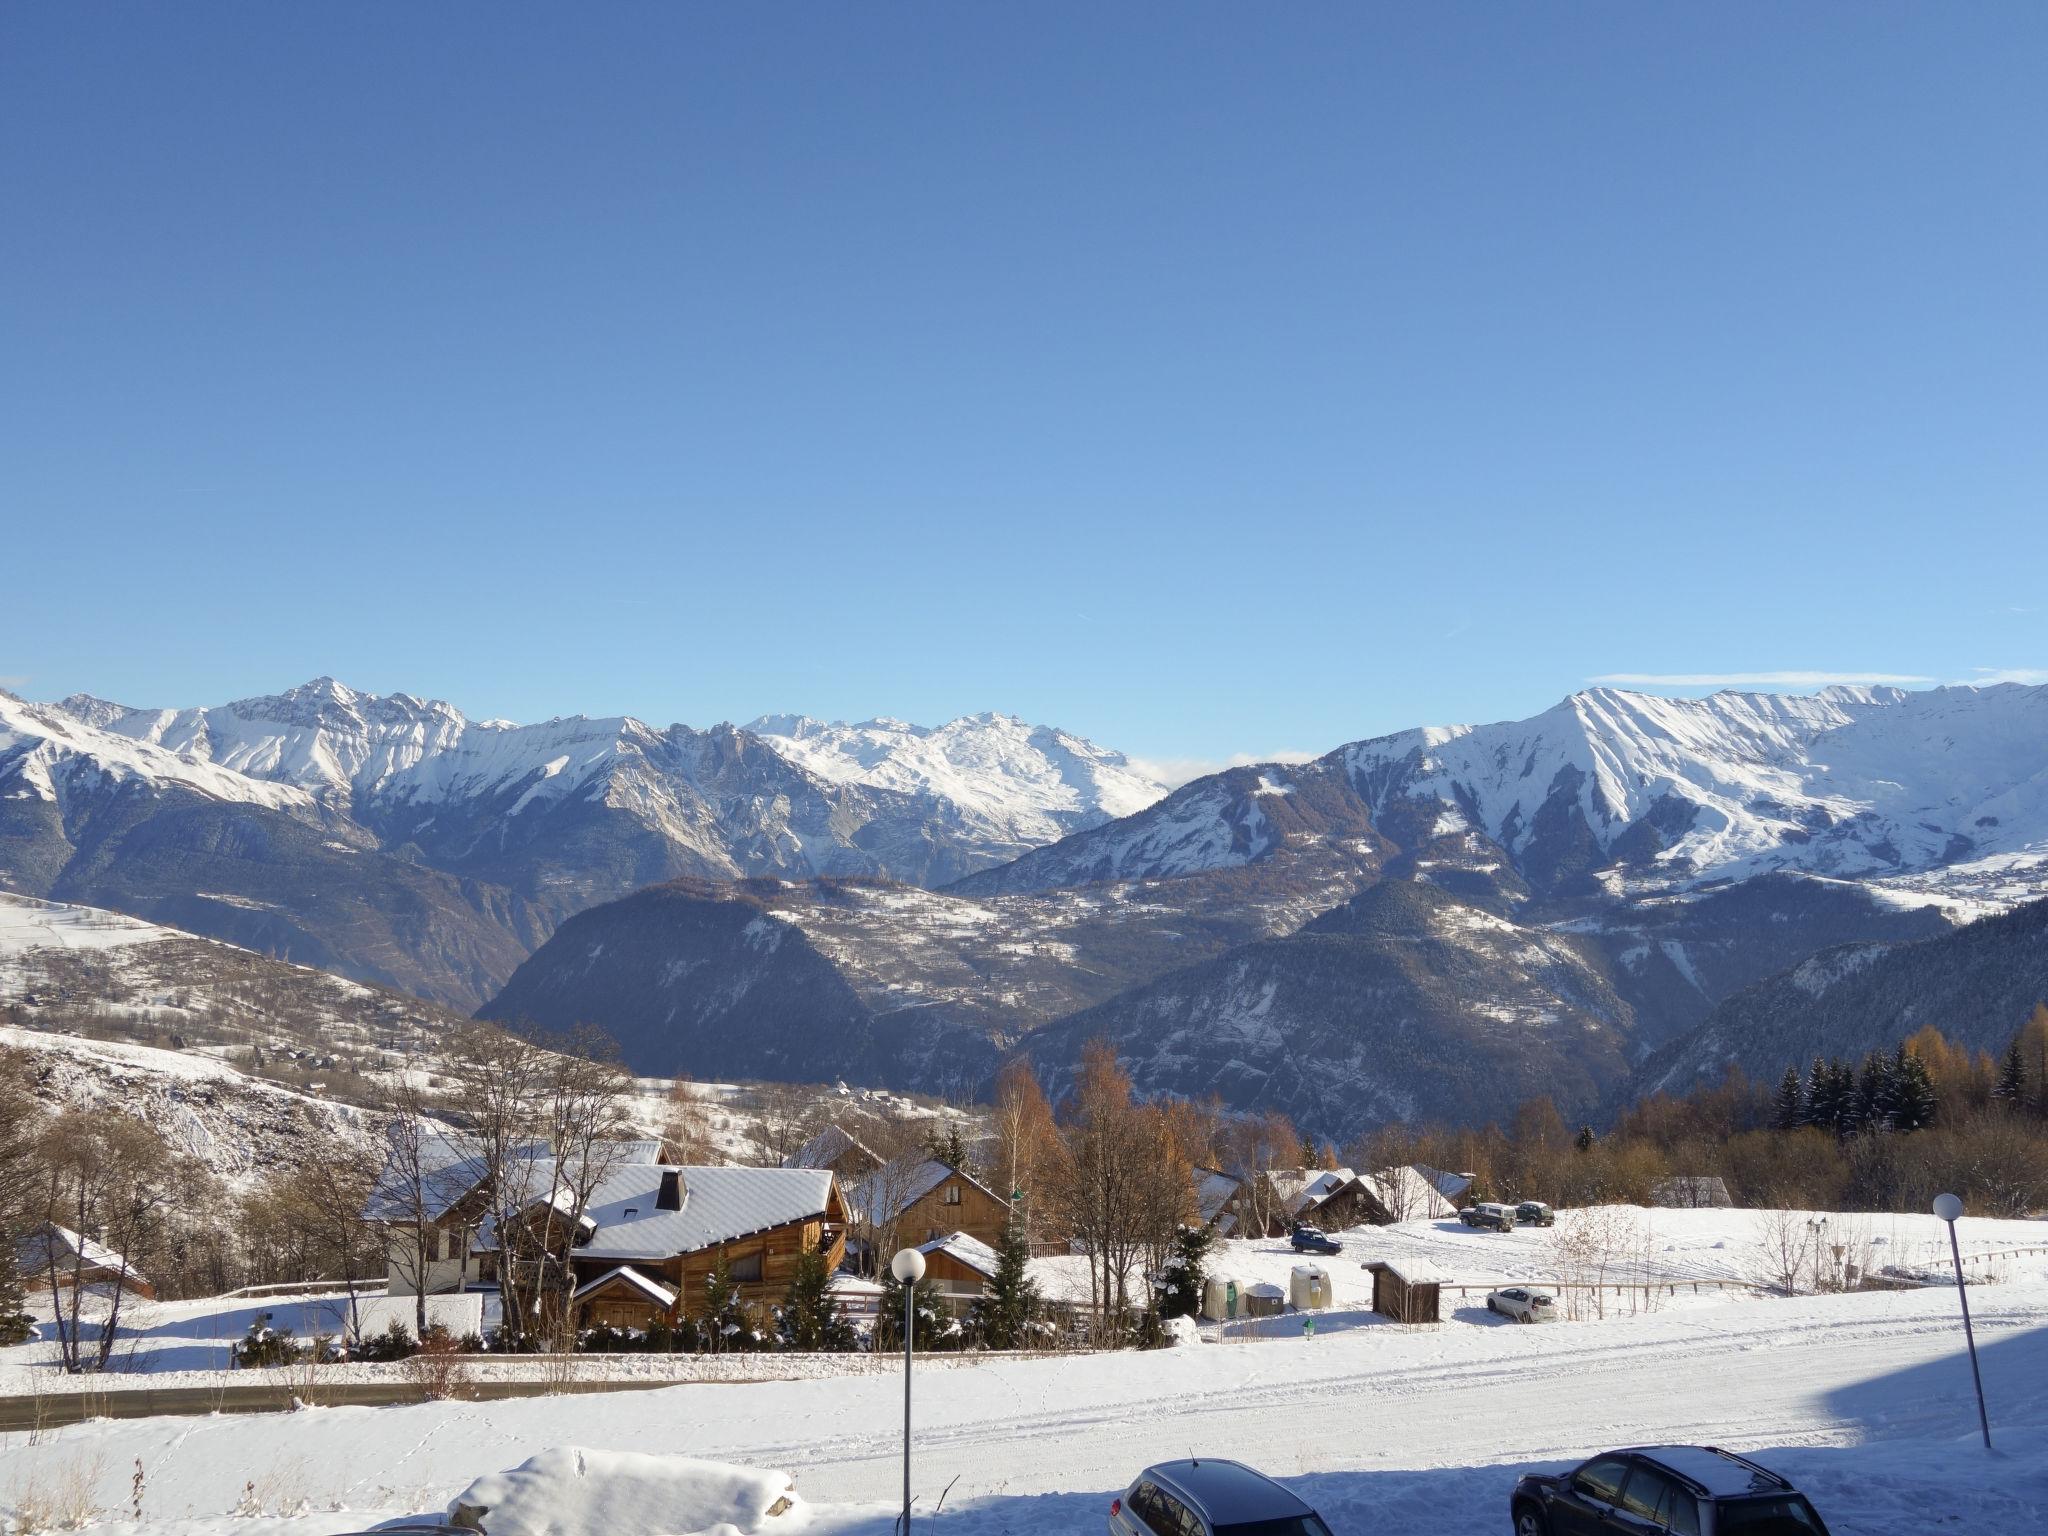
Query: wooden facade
[956,1203]
[762,1265]
[1403,1298]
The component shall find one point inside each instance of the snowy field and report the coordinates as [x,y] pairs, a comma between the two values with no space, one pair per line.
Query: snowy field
[1863,1398]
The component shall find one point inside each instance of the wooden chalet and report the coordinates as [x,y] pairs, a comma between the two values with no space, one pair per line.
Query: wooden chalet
[958,1267]
[54,1255]
[645,1243]
[839,1150]
[928,1200]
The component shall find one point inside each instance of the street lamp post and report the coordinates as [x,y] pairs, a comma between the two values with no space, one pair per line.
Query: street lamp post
[908,1268]
[1948,1208]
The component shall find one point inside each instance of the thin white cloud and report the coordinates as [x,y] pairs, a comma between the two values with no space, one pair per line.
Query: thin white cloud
[1760,679]
[1176,771]
[2033,677]
[13,682]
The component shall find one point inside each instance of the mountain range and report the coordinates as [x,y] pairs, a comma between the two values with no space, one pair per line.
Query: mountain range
[395,840]
[1433,923]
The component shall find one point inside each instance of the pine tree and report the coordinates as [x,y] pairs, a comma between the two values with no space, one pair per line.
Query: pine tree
[925,1319]
[722,1322]
[944,1144]
[1788,1108]
[1871,1108]
[16,1326]
[1816,1096]
[1585,1139]
[1180,1286]
[2011,1089]
[809,1318]
[1004,1314]
[1914,1102]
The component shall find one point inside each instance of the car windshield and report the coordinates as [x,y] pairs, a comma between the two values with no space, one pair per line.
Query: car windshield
[1786,1514]
[1292,1525]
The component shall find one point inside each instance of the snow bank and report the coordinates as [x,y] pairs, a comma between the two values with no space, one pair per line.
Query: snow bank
[572,1492]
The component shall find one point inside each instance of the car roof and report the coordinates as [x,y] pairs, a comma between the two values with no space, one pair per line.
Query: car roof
[1714,1471]
[1228,1492]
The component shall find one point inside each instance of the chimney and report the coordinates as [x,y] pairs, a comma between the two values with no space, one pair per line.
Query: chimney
[671,1196]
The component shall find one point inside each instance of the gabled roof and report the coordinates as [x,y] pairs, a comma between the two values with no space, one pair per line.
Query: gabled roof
[51,1244]
[1407,1194]
[971,1251]
[719,1204]
[1301,1189]
[827,1147]
[889,1191]
[1412,1270]
[1449,1185]
[1214,1190]
[625,1274]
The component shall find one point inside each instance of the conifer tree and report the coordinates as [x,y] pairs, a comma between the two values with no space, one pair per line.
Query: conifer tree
[944,1144]
[1585,1139]
[16,1326]
[722,1322]
[2011,1088]
[1871,1109]
[925,1319]
[1180,1287]
[809,1318]
[1816,1096]
[1788,1107]
[1914,1102]
[1004,1314]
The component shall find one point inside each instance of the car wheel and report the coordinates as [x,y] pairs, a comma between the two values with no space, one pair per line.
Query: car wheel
[1492,1307]
[1529,1521]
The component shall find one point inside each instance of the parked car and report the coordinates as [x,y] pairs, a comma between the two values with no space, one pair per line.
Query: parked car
[1523,1304]
[1534,1213]
[1307,1239]
[1688,1490]
[1496,1218]
[1205,1497]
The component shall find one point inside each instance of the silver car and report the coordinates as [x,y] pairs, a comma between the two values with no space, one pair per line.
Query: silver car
[1523,1304]
[1210,1497]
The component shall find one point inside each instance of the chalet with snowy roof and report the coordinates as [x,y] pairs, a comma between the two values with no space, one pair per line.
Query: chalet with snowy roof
[53,1255]
[1216,1195]
[924,1200]
[1337,1198]
[839,1150]
[646,1239]
[958,1267]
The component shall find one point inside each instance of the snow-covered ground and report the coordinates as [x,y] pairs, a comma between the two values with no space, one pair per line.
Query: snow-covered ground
[1864,1399]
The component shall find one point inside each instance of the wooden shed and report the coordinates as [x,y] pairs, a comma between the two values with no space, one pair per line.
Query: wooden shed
[1406,1290]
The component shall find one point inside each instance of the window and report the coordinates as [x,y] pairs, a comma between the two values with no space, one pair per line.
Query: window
[433,1245]
[1149,1505]
[747,1267]
[1602,1479]
[952,1194]
[1778,1515]
[1681,1513]
[1178,1519]
[1648,1493]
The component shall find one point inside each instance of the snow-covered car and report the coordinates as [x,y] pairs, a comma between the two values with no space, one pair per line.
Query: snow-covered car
[1489,1217]
[1534,1213]
[1687,1490]
[1307,1239]
[1523,1304]
[1205,1496]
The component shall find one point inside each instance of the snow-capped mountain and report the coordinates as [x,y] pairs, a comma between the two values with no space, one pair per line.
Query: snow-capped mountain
[1012,782]
[524,823]
[1625,791]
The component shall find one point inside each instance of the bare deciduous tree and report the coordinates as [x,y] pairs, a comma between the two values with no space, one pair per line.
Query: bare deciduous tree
[102,1177]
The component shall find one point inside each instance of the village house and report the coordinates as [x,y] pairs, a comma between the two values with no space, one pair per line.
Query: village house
[1336,1199]
[836,1149]
[53,1255]
[958,1268]
[647,1240]
[921,1201]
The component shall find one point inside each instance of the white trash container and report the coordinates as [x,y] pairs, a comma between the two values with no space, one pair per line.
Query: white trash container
[1309,1288]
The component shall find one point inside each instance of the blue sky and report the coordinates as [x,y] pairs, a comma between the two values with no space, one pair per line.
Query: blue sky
[1207,379]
